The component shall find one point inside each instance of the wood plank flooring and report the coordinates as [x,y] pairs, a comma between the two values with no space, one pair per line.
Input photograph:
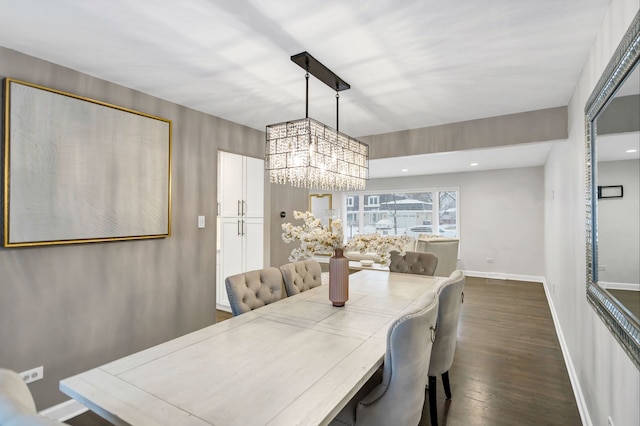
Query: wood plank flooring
[629,299]
[508,368]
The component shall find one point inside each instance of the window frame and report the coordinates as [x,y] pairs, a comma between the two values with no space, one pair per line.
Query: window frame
[435,206]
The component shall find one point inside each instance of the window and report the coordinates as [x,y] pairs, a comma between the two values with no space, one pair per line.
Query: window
[403,213]
[349,201]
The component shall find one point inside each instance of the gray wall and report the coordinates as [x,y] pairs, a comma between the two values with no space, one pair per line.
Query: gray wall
[71,308]
[494,205]
[620,116]
[533,126]
[619,223]
[287,199]
[605,378]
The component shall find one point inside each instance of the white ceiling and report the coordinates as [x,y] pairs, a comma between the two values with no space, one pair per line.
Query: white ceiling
[410,63]
[619,146]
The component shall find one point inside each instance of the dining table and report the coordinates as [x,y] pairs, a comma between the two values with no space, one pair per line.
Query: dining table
[297,361]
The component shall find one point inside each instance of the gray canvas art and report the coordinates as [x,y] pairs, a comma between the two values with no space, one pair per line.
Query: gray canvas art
[82,170]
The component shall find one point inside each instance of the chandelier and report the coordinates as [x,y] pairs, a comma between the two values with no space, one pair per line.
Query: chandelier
[308,154]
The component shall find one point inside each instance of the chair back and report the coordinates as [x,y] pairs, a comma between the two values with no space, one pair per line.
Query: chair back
[413,262]
[253,289]
[301,276]
[399,399]
[450,299]
[17,407]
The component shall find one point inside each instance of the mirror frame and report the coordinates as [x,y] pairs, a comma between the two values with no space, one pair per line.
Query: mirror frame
[626,56]
[321,197]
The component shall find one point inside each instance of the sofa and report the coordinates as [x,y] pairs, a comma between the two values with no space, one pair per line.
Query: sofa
[357,256]
[445,248]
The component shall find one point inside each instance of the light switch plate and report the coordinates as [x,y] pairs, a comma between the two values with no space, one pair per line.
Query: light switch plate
[200,221]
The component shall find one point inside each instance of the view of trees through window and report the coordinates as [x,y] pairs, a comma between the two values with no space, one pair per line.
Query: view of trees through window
[402,213]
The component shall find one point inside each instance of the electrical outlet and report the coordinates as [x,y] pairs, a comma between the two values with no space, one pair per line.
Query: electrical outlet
[33,374]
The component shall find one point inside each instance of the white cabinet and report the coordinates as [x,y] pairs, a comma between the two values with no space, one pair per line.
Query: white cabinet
[240,186]
[240,219]
[241,251]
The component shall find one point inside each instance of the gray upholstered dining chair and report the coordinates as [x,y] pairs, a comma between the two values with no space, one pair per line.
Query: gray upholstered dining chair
[254,289]
[397,398]
[450,297]
[413,262]
[301,276]
[17,407]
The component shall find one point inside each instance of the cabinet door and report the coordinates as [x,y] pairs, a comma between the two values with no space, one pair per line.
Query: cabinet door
[254,243]
[230,184]
[254,187]
[231,255]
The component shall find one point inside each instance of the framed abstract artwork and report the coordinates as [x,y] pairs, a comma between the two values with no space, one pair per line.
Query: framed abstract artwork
[79,170]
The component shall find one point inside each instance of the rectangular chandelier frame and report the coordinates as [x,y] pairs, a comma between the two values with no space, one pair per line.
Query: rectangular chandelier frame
[308,154]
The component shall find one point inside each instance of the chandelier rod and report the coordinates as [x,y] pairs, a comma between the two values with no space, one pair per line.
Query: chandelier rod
[306,105]
[337,110]
[306,76]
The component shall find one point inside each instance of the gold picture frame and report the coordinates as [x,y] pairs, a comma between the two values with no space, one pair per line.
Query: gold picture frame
[78,170]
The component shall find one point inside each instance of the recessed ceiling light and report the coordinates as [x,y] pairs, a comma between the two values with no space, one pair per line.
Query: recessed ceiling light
[629,151]
[404,170]
[473,164]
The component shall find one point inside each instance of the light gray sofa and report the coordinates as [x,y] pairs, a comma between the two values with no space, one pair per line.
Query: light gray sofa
[357,256]
[445,248]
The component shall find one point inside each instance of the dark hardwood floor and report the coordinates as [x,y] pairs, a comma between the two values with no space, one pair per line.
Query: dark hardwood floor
[629,299]
[222,315]
[508,368]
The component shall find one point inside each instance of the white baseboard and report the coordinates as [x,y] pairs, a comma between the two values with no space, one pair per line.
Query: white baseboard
[64,411]
[503,276]
[573,376]
[619,286]
[223,307]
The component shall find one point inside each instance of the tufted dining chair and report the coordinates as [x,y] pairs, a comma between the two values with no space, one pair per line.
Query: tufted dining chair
[413,262]
[254,289]
[450,297]
[17,407]
[301,276]
[397,397]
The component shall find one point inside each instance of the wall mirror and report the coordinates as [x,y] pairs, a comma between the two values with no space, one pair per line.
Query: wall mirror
[320,205]
[613,161]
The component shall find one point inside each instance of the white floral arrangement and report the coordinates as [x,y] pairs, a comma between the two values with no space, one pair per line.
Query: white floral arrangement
[313,236]
[381,245]
[317,238]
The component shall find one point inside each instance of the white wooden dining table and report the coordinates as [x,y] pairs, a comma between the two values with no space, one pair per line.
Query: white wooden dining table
[294,362]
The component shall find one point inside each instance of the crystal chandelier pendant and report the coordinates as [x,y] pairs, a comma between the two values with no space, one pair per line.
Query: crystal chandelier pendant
[309,154]
[315,161]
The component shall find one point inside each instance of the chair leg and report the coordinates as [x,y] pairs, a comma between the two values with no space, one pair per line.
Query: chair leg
[433,409]
[445,383]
